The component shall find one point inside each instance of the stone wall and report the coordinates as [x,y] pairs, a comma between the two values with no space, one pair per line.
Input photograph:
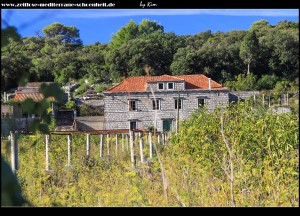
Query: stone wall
[89,123]
[118,116]
[241,95]
[11,111]
[16,124]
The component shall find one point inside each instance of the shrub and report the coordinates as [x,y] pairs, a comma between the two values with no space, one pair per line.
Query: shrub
[267,82]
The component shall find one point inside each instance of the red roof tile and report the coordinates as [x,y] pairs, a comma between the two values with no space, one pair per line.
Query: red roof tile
[139,83]
[199,81]
[30,90]
[19,97]
[163,78]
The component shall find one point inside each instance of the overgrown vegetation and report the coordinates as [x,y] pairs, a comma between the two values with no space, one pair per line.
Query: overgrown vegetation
[265,159]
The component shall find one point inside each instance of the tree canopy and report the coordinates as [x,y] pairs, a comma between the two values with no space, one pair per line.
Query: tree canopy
[264,50]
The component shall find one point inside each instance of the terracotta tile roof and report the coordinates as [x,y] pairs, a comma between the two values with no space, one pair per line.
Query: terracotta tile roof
[163,78]
[199,81]
[139,83]
[19,97]
[30,90]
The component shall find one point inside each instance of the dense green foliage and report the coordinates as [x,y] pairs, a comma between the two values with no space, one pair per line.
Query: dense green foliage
[264,50]
[11,194]
[195,162]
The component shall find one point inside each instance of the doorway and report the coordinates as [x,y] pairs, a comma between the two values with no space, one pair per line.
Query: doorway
[167,124]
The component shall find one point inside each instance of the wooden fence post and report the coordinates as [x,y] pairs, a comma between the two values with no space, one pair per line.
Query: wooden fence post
[263,99]
[163,138]
[117,144]
[126,137]
[150,144]
[158,139]
[141,146]
[14,151]
[69,149]
[287,99]
[131,134]
[122,140]
[88,145]
[269,101]
[47,139]
[101,145]
[107,140]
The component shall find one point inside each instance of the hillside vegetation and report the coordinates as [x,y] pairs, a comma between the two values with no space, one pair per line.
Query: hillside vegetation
[263,57]
[242,156]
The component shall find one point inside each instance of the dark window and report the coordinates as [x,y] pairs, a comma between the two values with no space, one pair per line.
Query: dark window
[157,105]
[167,124]
[160,86]
[132,105]
[178,103]
[132,125]
[170,85]
[201,102]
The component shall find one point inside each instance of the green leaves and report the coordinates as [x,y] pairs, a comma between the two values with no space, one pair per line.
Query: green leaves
[249,49]
[262,141]
[7,34]
[52,90]
[62,33]
[11,194]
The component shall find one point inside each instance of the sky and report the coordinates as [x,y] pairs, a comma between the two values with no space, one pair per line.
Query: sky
[98,25]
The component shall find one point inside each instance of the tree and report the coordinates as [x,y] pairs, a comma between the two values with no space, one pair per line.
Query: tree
[249,49]
[186,61]
[267,82]
[199,39]
[145,52]
[126,33]
[243,82]
[260,27]
[68,35]
[92,60]
[148,27]
[14,65]
[7,34]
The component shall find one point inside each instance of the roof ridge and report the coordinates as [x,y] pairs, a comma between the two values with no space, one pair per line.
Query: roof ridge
[173,76]
[139,83]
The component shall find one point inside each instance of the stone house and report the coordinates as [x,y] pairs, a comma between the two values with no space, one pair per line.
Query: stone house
[146,102]
[13,117]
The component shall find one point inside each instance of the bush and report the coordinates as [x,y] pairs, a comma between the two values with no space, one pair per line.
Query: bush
[267,82]
[264,147]
[81,89]
[101,87]
[86,110]
[70,104]
[242,82]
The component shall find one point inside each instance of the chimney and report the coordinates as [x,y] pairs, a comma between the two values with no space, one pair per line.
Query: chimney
[209,83]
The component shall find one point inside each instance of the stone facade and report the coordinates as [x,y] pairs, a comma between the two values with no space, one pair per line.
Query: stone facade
[129,105]
[118,116]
